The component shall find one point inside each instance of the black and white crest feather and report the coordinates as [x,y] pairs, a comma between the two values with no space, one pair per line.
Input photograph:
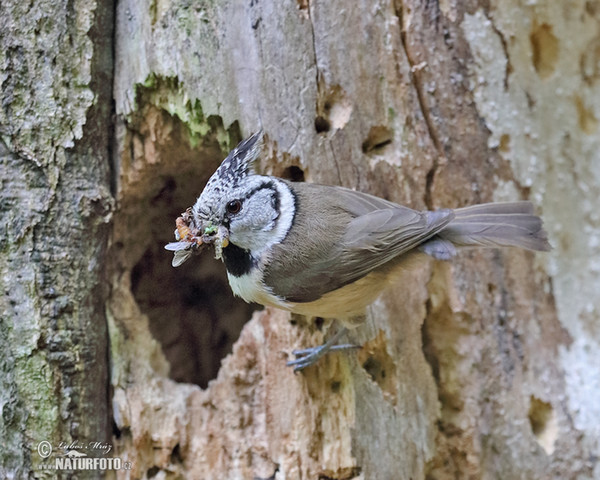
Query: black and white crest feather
[238,163]
[231,176]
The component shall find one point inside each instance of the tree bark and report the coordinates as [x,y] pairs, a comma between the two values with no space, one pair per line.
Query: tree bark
[55,126]
[485,367]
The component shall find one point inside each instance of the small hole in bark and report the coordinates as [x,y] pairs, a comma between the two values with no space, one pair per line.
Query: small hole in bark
[319,323]
[587,120]
[176,455]
[335,386]
[504,143]
[379,137]
[322,124]
[372,367]
[334,108]
[293,173]
[152,472]
[545,49]
[544,424]
[380,366]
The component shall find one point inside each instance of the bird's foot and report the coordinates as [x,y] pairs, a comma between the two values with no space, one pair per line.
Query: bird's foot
[309,356]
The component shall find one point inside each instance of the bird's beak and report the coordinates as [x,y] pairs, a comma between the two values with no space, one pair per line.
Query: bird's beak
[218,236]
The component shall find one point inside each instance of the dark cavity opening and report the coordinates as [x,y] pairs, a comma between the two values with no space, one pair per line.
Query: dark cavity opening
[191,310]
[322,124]
[293,173]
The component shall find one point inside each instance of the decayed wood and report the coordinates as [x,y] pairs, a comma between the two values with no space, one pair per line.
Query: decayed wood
[485,367]
[463,373]
[465,369]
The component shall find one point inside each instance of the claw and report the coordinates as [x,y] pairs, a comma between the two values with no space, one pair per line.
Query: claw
[306,358]
[309,356]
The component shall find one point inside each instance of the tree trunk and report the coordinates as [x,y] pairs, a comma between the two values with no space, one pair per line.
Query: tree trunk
[485,367]
[55,126]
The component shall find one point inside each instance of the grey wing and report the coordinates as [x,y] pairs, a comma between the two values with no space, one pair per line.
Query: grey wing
[375,238]
[374,232]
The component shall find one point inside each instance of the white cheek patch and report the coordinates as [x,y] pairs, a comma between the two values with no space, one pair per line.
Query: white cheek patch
[287,209]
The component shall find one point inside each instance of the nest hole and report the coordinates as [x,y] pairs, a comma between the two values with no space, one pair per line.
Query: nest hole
[191,310]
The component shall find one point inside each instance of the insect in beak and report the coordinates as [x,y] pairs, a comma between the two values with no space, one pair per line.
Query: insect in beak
[210,229]
[190,240]
[218,236]
[221,240]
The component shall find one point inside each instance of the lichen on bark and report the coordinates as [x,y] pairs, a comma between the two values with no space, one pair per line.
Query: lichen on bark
[54,150]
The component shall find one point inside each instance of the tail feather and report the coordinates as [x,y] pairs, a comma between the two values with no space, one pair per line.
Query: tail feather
[497,225]
[497,208]
[519,219]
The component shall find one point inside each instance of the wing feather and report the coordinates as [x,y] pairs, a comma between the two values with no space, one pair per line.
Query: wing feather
[362,234]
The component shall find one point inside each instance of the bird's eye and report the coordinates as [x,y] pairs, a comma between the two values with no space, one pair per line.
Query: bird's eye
[234,206]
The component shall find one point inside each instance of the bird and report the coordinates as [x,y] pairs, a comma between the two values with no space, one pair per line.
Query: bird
[329,251]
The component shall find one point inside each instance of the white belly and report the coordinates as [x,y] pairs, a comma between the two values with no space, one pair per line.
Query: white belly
[250,288]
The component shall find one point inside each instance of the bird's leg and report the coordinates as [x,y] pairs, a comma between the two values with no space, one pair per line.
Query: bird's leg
[309,356]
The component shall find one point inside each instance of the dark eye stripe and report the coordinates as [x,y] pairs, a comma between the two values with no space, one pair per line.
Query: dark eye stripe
[270,186]
[262,186]
[275,200]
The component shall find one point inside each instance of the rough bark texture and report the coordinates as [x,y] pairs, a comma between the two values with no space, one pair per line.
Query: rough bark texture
[486,367]
[55,71]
